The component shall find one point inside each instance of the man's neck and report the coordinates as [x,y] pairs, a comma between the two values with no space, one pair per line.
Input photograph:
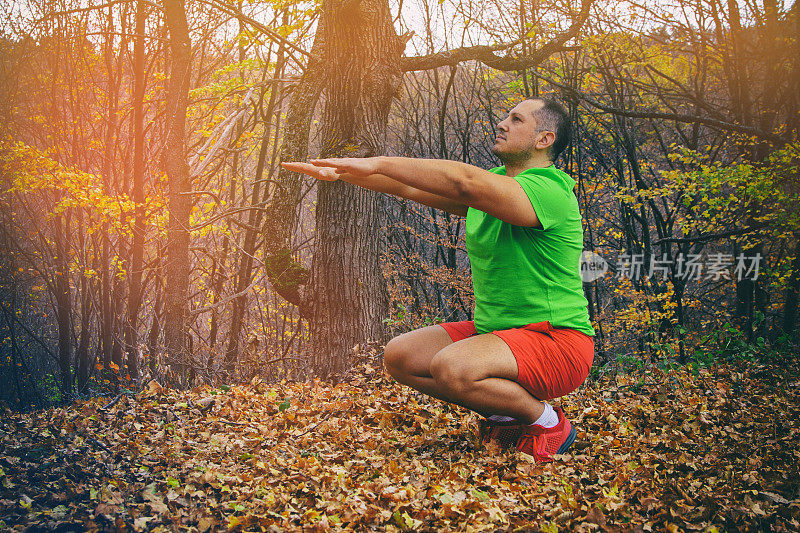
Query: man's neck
[514,165]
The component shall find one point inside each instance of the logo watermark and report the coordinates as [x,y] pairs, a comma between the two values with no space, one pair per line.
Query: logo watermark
[593,266]
[691,267]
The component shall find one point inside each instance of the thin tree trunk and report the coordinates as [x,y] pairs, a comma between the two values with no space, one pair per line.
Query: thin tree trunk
[245,274]
[82,361]
[137,194]
[63,304]
[792,292]
[108,317]
[285,273]
[118,299]
[180,202]
[155,324]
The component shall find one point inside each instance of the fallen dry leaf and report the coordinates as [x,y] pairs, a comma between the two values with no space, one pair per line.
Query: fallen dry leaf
[666,451]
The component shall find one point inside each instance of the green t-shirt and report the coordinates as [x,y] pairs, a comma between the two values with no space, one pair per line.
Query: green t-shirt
[522,275]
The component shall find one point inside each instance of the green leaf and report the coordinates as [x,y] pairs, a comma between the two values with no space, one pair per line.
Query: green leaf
[405,521]
[25,501]
[225,388]
[58,512]
[284,405]
[172,482]
[480,495]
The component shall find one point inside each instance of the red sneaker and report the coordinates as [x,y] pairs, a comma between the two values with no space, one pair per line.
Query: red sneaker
[542,442]
[505,434]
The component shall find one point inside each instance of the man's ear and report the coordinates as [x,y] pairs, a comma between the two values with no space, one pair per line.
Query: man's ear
[546,140]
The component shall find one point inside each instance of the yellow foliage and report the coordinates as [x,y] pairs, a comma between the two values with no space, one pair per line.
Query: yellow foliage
[30,173]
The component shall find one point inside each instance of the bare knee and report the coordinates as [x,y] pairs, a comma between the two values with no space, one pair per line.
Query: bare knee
[395,356]
[409,355]
[451,374]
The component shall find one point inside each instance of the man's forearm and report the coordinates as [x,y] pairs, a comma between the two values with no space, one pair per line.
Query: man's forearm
[437,176]
[435,183]
[380,183]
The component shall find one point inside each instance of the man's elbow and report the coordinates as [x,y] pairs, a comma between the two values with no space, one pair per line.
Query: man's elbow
[465,185]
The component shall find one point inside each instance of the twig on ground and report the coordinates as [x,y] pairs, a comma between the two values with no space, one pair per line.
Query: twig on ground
[112,403]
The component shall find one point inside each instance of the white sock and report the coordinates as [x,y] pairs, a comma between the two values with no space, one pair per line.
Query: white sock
[548,418]
[501,418]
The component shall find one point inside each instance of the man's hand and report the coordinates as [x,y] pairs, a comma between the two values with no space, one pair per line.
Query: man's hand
[319,172]
[386,174]
[355,166]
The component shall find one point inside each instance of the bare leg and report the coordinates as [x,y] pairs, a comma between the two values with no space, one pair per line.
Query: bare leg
[478,373]
[408,358]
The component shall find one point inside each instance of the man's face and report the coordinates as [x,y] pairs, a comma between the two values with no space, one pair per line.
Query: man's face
[518,133]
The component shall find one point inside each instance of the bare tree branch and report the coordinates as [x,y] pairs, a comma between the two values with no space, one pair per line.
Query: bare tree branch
[712,236]
[32,335]
[224,301]
[486,53]
[230,10]
[689,119]
[56,14]
[217,4]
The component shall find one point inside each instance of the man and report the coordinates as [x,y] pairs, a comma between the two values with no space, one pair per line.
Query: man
[531,339]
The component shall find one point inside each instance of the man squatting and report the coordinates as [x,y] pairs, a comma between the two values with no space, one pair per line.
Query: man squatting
[531,339]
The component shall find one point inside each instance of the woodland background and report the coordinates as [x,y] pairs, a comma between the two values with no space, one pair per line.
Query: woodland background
[191,338]
[148,231]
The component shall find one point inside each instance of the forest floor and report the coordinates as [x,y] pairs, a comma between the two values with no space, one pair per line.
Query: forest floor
[714,450]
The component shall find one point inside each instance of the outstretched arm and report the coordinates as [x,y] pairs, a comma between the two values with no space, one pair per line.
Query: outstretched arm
[459,183]
[380,183]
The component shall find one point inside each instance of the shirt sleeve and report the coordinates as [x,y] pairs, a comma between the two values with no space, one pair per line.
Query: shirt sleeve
[549,199]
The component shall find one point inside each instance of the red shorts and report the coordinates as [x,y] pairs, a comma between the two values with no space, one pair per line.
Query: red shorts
[551,361]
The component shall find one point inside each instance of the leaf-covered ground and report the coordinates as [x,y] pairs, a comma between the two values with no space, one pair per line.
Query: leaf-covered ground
[663,451]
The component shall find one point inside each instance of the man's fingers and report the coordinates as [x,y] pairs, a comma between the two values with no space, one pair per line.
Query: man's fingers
[334,162]
[305,168]
[339,165]
[295,166]
[318,172]
[357,166]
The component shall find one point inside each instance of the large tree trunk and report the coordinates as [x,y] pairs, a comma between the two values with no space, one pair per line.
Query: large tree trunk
[177,275]
[355,60]
[790,307]
[348,296]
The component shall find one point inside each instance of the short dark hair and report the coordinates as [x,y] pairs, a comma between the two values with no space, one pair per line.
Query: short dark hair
[553,117]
